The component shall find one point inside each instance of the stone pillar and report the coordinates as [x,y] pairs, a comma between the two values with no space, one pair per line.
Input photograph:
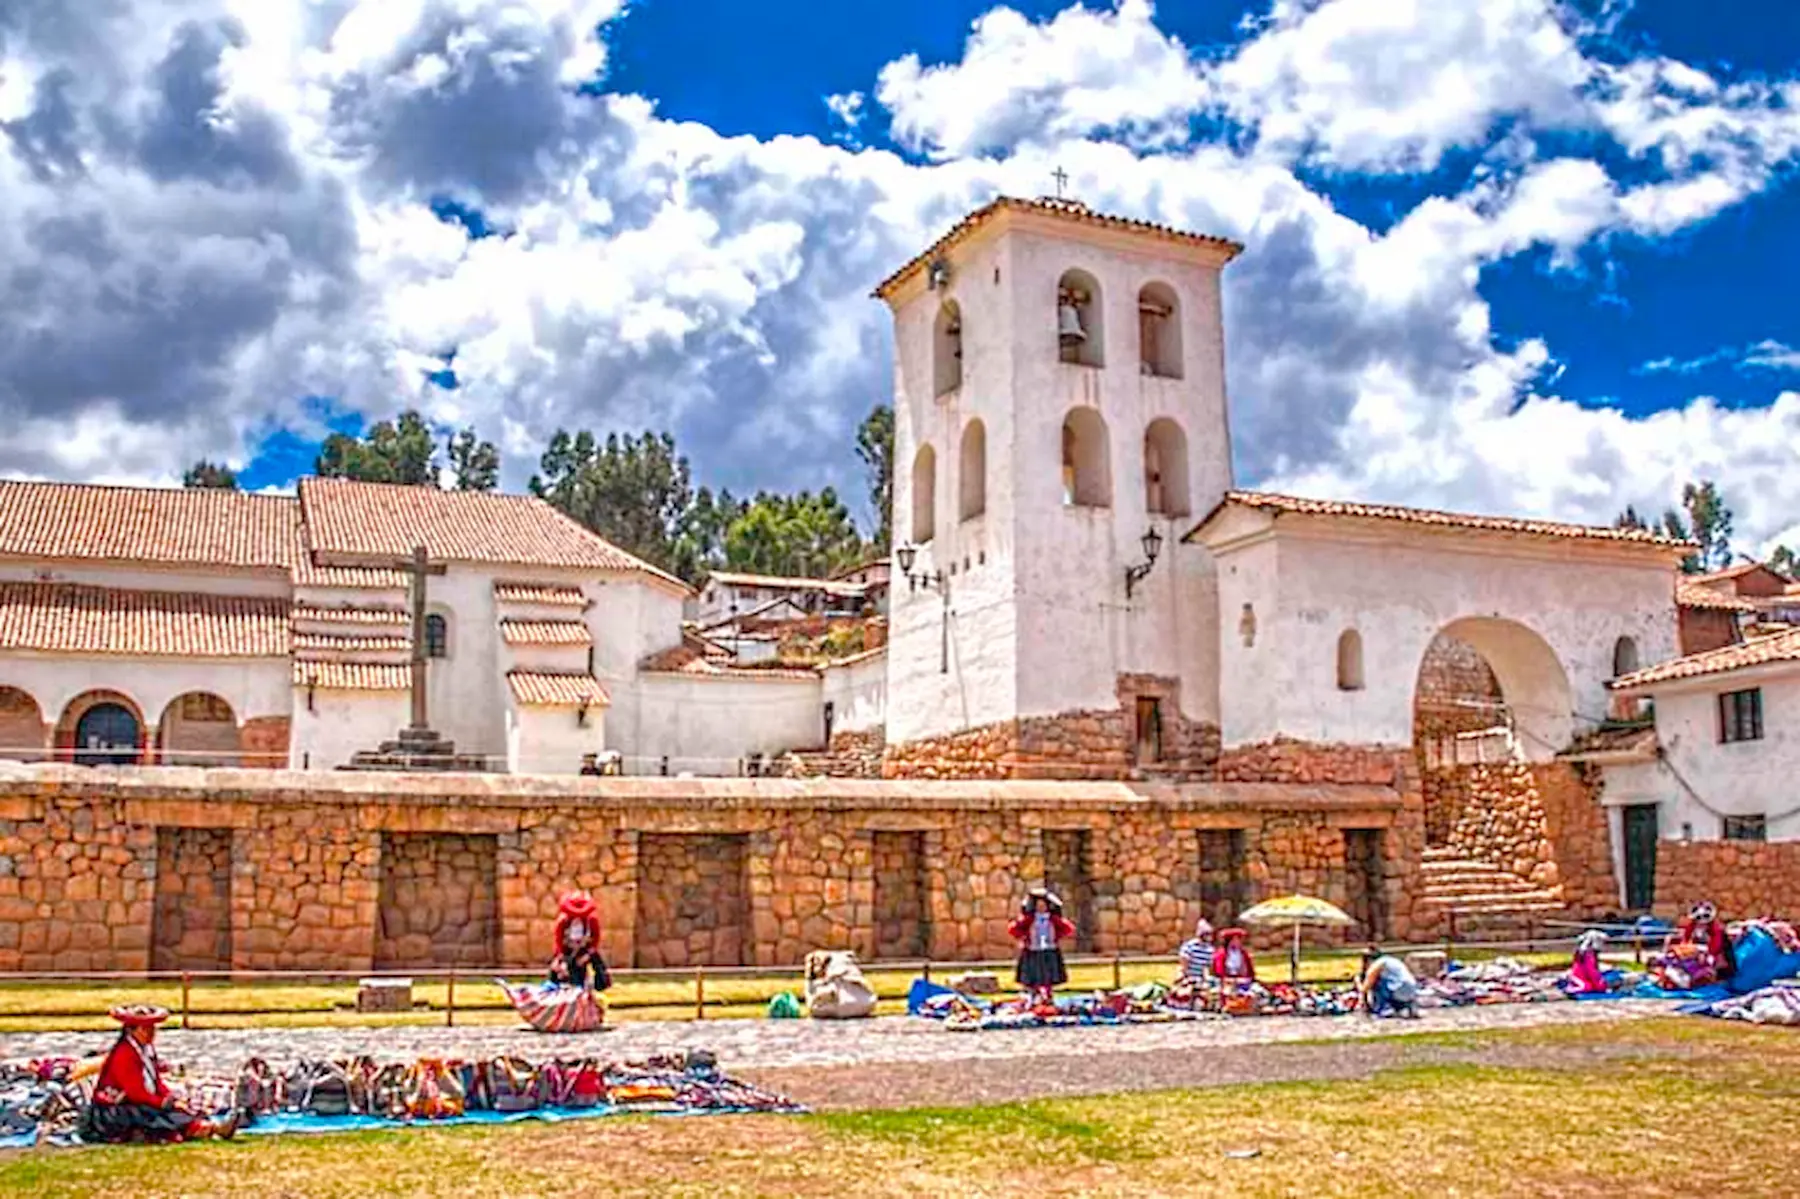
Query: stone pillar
[263,742]
[759,871]
[861,911]
[944,934]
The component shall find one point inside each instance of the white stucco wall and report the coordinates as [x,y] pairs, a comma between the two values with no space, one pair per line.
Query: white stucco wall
[252,686]
[1541,611]
[222,581]
[707,725]
[1038,618]
[857,692]
[551,740]
[342,723]
[1740,778]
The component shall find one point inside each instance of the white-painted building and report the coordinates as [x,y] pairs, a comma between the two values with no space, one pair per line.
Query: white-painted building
[162,626]
[1726,754]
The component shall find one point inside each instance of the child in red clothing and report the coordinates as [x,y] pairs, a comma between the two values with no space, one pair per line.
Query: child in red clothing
[1040,930]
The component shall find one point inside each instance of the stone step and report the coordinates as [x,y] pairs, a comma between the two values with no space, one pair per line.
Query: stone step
[1499,904]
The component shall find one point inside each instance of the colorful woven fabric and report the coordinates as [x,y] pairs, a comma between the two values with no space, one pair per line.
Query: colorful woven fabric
[551,1008]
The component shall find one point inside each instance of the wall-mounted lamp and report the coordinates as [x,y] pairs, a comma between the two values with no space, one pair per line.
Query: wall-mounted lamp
[581,716]
[905,556]
[1152,543]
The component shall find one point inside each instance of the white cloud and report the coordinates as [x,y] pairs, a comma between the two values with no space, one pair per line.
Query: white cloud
[1081,72]
[212,211]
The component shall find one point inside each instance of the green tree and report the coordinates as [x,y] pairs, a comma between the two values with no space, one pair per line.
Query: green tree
[475,464]
[208,474]
[1786,561]
[634,491]
[700,545]
[398,451]
[875,446]
[802,534]
[1629,519]
[1703,518]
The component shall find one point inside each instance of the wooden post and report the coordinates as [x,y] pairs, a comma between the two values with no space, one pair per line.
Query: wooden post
[1637,944]
[450,1002]
[699,992]
[186,981]
[1116,983]
[925,971]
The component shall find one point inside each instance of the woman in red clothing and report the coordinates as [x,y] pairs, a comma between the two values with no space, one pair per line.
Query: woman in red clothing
[1231,960]
[1040,931]
[131,1100]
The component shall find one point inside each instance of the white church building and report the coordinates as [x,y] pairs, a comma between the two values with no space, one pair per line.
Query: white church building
[1078,588]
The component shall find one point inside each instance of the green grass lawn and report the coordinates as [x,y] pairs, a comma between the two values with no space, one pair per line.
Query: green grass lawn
[37,1007]
[1702,1108]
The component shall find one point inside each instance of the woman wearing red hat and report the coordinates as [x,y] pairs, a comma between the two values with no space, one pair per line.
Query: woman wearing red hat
[131,1100]
[578,962]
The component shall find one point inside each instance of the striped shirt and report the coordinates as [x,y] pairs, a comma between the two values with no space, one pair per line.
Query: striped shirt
[1196,958]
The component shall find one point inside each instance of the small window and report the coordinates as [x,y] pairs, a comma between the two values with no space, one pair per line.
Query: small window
[1746,828]
[947,348]
[924,495]
[972,475]
[437,637]
[1350,661]
[1165,468]
[1086,460]
[1740,715]
[1149,729]
[1625,656]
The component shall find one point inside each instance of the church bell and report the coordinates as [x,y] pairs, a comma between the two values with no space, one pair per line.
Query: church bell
[1068,323]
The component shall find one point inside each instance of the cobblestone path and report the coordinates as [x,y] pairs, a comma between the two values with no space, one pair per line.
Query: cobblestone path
[757,1045]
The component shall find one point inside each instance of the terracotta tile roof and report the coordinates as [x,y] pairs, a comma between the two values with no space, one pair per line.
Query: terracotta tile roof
[688,660]
[1069,210]
[186,527]
[357,616]
[1699,595]
[378,520]
[350,643]
[544,689]
[307,574]
[353,676]
[1614,739]
[1300,506]
[76,618]
[1761,651]
[1736,571]
[545,632]
[732,578]
[540,593]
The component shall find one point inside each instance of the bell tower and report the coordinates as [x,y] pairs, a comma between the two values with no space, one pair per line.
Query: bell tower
[1060,424]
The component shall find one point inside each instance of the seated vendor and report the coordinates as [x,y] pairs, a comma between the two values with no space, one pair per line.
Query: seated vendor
[1231,961]
[1586,975]
[1197,952]
[1388,988]
[131,1100]
[1698,953]
[577,962]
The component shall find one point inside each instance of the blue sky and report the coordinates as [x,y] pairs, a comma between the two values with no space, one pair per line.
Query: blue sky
[1507,255]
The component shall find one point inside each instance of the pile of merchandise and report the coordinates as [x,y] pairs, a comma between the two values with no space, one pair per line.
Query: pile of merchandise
[41,1101]
[1503,980]
[1147,1003]
[1777,1003]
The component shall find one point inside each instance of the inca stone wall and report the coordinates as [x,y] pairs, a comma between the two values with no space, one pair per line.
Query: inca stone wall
[342,871]
[902,912]
[1745,879]
[191,923]
[1097,744]
[1457,690]
[439,905]
[691,904]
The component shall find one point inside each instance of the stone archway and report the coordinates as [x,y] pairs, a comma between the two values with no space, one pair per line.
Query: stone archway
[101,728]
[198,728]
[1492,703]
[24,734]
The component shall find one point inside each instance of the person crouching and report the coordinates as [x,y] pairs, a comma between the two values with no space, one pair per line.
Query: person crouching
[1040,930]
[131,1101]
[1388,987]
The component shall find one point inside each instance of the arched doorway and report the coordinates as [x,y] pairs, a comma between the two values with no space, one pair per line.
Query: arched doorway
[197,729]
[1492,703]
[108,734]
[23,737]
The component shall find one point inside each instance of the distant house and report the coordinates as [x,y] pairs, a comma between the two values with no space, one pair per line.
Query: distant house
[1719,608]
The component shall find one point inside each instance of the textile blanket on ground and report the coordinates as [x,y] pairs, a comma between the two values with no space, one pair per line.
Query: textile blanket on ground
[1503,980]
[1765,950]
[41,1101]
[1776,1004]
[551,1007]
[1147,1003]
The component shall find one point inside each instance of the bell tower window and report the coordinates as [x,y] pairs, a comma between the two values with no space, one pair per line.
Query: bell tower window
[947,348]
[1080,330]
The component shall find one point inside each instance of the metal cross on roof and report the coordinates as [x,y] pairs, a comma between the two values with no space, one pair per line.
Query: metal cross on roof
[1062,179]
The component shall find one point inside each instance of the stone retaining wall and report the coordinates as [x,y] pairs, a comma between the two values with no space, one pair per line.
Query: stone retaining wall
[320,863]
[192,917]
[1743,878]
